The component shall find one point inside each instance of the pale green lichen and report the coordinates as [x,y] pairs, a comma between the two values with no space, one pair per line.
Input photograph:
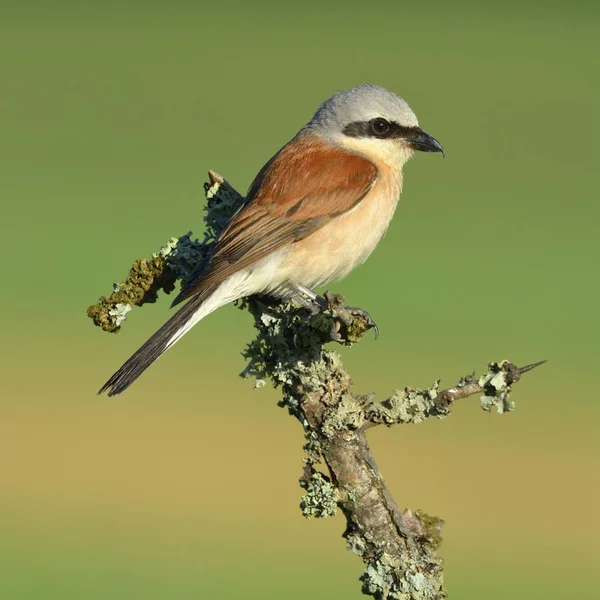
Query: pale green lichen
[312,447]
[288,352]
[321,498]
[119,313]
[167,249]
[348,415]
[402,578]
[356,543]
[411,405]
[497,388]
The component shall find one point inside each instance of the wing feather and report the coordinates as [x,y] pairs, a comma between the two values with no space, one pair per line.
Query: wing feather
[305,185]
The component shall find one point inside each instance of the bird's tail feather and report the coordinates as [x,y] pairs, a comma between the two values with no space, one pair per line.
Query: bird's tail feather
[170,333]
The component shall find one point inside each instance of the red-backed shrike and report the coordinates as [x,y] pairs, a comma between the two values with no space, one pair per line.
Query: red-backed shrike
[315,211]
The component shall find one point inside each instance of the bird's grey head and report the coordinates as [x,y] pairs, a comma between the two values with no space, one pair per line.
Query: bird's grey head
[373,121]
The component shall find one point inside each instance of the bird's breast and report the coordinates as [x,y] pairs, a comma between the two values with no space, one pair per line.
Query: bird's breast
[347,241]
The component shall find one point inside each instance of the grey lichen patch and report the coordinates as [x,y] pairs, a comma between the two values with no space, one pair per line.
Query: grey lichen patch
[269,355]
[321,498]
[356,543]
[348,415]
[411,405]
[288,350]
[497,387]
[183,255]
[351,494]
[223,203]
[312,448]
[404,577]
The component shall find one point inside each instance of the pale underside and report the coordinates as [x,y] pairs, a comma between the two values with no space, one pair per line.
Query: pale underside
[328,254]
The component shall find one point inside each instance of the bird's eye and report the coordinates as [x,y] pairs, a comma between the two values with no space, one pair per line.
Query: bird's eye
[380,126]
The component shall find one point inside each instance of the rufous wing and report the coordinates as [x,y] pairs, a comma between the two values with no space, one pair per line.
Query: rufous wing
[305,185]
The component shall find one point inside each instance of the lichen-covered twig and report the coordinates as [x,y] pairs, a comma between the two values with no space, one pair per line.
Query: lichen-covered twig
[175,261]
[399,548]
[414,405]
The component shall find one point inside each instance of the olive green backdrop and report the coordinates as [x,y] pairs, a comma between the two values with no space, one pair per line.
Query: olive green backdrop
[186,486]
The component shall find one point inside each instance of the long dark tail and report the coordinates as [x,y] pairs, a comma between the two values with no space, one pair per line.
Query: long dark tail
[153,349]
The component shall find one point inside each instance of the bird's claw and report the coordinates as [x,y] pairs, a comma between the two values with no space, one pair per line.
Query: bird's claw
[349,324]
[359,312]
[347,316]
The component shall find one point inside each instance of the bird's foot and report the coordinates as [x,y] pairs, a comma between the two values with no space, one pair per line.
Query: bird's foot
[347,324]
[351,323]
[365,316]
[315,306]
[314,303]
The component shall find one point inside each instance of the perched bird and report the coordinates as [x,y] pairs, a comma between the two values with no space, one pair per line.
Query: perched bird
[315,211]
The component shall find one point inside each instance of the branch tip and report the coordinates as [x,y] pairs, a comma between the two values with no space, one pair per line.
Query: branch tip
[214,177]
[531,367]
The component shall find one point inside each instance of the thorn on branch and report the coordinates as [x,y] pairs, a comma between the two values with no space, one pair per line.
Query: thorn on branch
[496,385]
[529,368]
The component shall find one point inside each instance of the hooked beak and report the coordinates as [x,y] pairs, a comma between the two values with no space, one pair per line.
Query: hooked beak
[419,140]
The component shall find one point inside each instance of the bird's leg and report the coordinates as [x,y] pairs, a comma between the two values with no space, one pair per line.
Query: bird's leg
[348,313]
[349,323]
[311,300]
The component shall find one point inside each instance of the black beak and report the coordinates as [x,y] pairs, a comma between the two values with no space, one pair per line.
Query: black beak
[419,140]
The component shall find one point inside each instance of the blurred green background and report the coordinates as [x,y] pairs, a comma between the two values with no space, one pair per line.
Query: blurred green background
[186,486]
